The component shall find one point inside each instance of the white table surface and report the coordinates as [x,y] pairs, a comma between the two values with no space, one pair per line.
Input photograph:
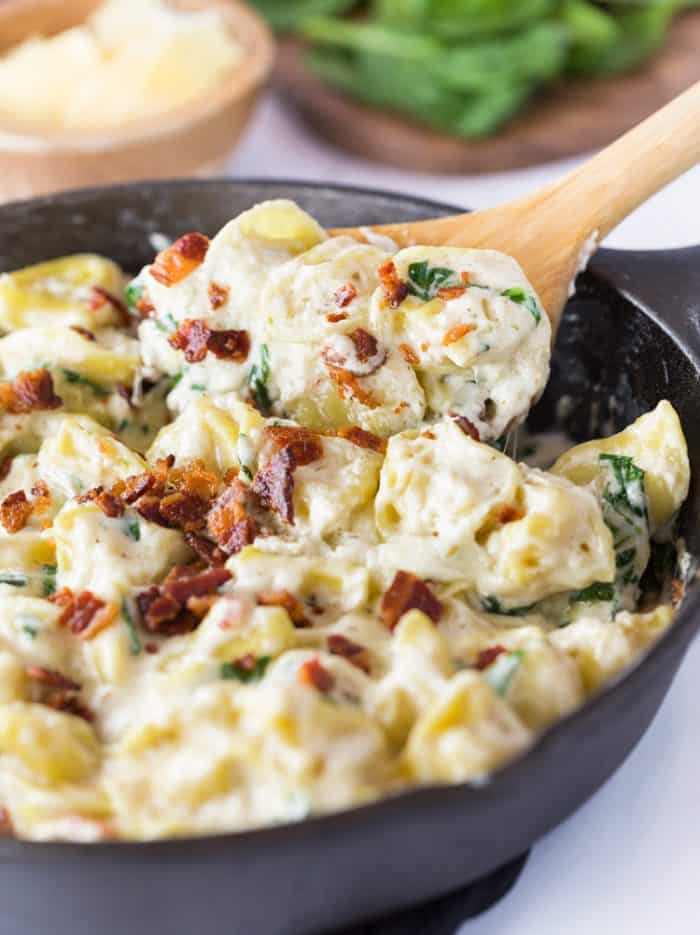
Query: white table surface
[629,860]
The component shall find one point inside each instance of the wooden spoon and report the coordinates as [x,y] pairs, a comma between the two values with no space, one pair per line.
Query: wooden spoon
[553,231]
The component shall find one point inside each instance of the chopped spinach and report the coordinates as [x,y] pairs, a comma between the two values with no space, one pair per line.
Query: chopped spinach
[241,672]
[132,529]
[493,606]
[599,591]
[132,295]
[425,281]
[49,573]
[174,380]
[198,387]
[257,381]
[134,639]
[500,673]
[521,297]
[14,578]
[72,377]
[30,625]
[166,324]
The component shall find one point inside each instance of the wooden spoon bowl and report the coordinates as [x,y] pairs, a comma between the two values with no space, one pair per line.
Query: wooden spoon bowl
[191,140]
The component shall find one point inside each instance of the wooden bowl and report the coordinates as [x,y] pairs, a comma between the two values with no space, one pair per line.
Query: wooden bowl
[191,140]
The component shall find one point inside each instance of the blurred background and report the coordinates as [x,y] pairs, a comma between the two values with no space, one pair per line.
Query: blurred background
[470,102]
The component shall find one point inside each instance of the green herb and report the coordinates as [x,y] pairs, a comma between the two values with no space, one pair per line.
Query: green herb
[134,639]
[527,299]
[122,425]
[14,578]
[49,573]
[425,281]
[500,673]
[198,387]
[246,472]
[599,591]
[257,381]
[132,529]
[30,625]
[132,295]
[241,672]
[493,606]
[72,377]
[166,324]
[174,380]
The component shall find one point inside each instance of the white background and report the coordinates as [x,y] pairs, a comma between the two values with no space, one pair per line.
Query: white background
[629,860]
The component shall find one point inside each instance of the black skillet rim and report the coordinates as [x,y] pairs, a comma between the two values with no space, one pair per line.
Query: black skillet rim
[682,630]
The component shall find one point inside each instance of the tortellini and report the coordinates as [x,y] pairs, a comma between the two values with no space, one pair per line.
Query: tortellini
[263,553]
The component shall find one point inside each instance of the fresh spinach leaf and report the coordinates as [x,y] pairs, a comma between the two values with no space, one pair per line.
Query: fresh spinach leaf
[257,381]
[425,281]
[241,671]
[521,297]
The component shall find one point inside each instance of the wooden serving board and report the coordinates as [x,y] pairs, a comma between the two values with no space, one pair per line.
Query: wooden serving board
[574,117]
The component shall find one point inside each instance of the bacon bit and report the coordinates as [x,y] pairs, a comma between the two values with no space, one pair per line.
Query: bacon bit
[30,390]
[366,345]
[101,297]
[217,295]
[466,426]
[15,511]
[452,335]
[196,339]
[109,504]
[424,347]
[175,263]
[286,600]
[230,522]
[487,656]
[274,482]
[355,654]
[204,549]
[145,307]
[182,600]
[395,289]
[345,295]
[6,466]
[368,357]
[183,511]
[83,332]
[335,317]
[429,435]
[408,592]
[84,614]
[313,674]
[349,387]
[446,293]
[409,355]
[52,678]
[363,439]
[151,648]
[230,345]
[41,497]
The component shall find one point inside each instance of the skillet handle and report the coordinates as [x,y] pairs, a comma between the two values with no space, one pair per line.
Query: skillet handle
[665,283]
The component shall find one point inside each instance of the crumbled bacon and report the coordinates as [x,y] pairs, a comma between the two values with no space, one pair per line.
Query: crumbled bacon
[181,600]
[355,654]
[363,439]
[274,483]
[394,288]
[368,357]
[487,656]
[83,332]
[101,297]
[58,691]
[182,510]
[452,335]
[6,466]
[29,390]
[349,387]
[312,673]
[196,339]
[287,600]
[217,295]
[345,295]
[408,354]
[431,436]
[408,592]
[15,511]
[145,307]
[83,613]
[109,504]
[454,292]
[205,549]
[466,426]
[334,317]
[177,262]
[41,497]
[230,521]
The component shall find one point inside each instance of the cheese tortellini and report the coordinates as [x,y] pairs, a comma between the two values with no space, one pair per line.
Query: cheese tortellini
[263,553]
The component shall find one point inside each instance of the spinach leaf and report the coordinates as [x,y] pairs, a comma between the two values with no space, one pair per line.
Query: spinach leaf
[493,606]
[134,639]
[49,579]
[425,281]
[132,295]
[72,377]
[14,578]
[245,670]
[257,381]
[519,295]
[599,591]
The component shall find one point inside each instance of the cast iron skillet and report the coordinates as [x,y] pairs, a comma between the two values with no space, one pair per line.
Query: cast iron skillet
[630,337]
